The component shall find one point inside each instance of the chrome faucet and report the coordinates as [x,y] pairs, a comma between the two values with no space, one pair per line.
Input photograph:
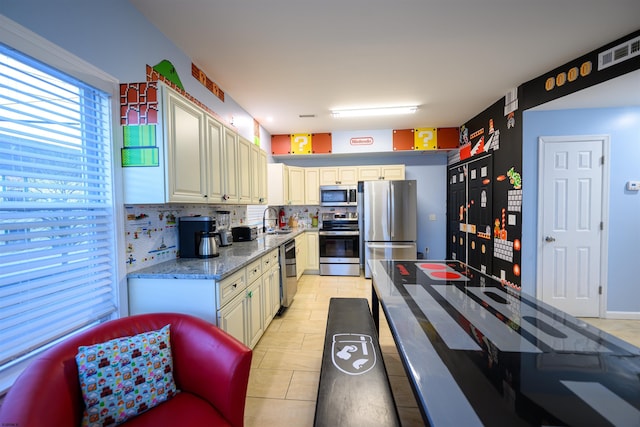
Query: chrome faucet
[264,220]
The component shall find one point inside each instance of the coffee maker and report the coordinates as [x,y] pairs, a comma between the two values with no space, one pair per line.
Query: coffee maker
[190,230]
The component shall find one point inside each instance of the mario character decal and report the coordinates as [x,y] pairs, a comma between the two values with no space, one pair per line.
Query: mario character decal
[514,179]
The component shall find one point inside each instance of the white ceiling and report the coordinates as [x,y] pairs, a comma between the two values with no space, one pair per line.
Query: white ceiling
[282,58]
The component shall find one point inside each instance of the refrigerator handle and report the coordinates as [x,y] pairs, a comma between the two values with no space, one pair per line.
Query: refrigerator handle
[392,206]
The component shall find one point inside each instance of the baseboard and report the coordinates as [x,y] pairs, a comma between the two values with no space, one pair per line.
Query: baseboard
[623,315]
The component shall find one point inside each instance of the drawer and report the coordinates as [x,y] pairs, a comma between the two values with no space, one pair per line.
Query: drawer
[231,286]
[254,270]
[269,260]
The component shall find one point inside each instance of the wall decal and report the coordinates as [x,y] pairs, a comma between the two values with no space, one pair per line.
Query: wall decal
[207,82]
[165,68]
[139,103]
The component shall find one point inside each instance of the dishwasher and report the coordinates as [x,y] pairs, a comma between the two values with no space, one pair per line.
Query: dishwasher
[288,277]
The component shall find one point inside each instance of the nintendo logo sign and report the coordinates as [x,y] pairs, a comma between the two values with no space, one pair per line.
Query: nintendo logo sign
[363,140]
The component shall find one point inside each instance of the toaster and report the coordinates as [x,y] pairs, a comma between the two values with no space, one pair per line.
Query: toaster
[244,233]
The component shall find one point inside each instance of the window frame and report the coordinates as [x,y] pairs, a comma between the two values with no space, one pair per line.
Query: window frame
[41,49]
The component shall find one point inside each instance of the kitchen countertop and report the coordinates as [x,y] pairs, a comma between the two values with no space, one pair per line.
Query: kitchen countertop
[479,353]
[232,258]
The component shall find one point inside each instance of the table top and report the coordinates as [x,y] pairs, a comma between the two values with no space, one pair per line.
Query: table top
[480,353]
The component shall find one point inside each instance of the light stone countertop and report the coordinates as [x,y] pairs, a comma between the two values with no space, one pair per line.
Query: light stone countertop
[232,258]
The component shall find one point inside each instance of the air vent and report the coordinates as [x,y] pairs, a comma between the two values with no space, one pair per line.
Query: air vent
[619,53]
[306,116]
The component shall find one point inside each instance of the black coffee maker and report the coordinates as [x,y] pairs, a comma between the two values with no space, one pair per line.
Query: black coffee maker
[190,230]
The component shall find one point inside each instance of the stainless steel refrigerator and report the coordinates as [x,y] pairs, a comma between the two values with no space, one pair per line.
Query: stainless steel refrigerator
[387,215]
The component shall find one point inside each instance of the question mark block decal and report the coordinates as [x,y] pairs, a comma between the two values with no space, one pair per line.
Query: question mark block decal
[301,143]
[425,139]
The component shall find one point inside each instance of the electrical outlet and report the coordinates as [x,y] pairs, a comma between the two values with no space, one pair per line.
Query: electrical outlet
[633,185]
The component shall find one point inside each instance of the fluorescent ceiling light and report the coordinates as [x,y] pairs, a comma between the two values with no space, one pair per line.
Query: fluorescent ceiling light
[384,111]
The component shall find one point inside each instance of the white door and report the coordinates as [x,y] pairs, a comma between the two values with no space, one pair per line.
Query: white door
[571,214]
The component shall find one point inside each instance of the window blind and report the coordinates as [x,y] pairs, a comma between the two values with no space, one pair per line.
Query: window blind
[57,272]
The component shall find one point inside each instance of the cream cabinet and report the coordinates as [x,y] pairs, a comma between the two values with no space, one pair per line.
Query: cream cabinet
[301,255]
[271,278]
[243,304]
[311,186]
[258,168]
[278,191]
[231,318]
[230,157]
[383,172]
[244,172]
[296,186]
[200,160]
[313,256]
[343,175]
[185,124]
[255,309]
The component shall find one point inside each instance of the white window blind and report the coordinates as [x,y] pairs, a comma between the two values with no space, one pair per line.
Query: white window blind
[57,272]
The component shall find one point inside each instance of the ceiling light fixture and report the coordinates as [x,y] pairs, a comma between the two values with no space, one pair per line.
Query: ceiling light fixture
[364,112]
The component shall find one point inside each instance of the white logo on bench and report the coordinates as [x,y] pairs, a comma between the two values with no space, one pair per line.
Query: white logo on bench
[353,354]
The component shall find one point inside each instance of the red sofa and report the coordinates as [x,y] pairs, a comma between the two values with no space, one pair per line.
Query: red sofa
[210,368]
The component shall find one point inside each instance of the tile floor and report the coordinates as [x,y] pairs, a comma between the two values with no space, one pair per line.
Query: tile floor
[286,362]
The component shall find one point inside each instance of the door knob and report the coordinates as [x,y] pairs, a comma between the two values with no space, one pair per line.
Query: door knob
[550,239]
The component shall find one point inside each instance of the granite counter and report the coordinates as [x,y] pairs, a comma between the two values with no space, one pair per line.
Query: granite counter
[232,258]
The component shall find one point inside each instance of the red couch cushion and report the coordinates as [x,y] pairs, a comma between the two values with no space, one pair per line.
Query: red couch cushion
[185,409]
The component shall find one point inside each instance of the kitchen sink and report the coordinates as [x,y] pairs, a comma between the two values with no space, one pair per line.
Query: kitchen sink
[279,232]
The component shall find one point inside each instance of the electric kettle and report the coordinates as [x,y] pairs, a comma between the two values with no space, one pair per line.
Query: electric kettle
[208,247]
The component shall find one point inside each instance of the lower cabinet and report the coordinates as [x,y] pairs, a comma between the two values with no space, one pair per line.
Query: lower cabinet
[255,310]
[242,317]
[231,318]
[271,293]
[301,255]
[243,304]
[247,316]
[313,256]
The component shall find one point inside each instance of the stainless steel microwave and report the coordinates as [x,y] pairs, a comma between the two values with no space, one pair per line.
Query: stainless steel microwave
[338,195]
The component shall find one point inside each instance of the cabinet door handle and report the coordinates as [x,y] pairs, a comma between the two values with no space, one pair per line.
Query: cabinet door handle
[235,285]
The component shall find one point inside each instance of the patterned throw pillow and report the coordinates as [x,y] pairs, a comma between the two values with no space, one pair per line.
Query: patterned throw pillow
[124,377]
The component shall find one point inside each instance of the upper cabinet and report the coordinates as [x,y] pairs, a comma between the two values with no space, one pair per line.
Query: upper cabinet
[384,172]
[199,160]
[185,126]
[296,186]
[244,172]
[278,191]
[343,175]
[258,172]
[311,186]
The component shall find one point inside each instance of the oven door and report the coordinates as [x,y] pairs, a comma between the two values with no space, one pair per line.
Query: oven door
[339,253]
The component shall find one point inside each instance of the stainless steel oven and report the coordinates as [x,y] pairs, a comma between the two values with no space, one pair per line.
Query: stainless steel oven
[339,248]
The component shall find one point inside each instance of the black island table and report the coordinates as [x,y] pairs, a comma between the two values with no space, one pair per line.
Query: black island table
[478,352]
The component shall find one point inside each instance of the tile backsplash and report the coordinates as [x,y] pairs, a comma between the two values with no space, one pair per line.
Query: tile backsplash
[151,231]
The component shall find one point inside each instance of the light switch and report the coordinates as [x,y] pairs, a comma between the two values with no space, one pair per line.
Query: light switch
[633,185]
[432,217]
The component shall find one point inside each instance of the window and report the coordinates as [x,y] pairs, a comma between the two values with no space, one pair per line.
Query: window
[57,244]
